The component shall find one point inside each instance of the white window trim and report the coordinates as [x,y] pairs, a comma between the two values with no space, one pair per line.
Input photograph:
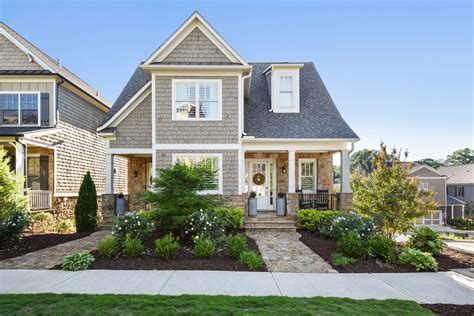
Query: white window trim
[19,108]
[424,186]
[305,160]
[276,74]
[196,82]
[219,161]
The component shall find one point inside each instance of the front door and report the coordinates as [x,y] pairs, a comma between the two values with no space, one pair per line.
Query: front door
[261,182]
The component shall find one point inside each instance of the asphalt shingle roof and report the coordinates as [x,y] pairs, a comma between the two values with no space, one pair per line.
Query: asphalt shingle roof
[20,130]
[462,174]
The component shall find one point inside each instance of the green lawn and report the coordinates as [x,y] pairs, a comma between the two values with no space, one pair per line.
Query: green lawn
[74,304]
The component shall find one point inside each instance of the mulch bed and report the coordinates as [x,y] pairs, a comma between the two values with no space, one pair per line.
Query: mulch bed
[450,309]
[324,247]
[30,243]
[185,260]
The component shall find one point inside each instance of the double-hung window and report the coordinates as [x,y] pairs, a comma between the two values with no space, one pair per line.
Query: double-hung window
[197,99]
[19,108]
[213,183]
[423,186]
[286,92]
[308,175]
[459,191]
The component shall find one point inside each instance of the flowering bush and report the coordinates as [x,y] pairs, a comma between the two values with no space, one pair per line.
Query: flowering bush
[134,225]
[12,226]
[352,222]
[205,225]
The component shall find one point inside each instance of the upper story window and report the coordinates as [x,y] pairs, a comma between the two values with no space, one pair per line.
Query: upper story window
[19,108]
[423,186]
[285,86]
[459,191]
[197,100]
[286,92]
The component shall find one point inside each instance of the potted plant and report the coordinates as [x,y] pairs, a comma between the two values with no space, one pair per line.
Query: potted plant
[252,203]
[120,204]
[280,204]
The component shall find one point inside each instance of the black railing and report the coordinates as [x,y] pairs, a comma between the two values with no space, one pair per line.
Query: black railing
[321,200]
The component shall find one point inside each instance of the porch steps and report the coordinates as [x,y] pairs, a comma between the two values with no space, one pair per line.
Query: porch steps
[269,222]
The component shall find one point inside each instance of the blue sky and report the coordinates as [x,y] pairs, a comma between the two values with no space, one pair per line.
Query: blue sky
[399,71]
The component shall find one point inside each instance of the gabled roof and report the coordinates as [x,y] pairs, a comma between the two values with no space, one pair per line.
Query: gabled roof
[318,116]
[431,170]
[49,63]
[194,21]
[462,174]
[453,201]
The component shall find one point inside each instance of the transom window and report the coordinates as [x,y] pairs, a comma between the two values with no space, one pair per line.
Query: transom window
[308,179]
[19,108]
[286,92]
[213,184]
[197,100]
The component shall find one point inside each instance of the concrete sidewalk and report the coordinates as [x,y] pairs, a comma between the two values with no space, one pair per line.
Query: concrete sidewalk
[444,287]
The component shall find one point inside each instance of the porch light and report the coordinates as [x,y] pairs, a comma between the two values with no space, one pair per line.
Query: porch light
[135,173]
[283,169]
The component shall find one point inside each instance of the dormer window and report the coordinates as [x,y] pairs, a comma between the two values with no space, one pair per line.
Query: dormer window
[285,85]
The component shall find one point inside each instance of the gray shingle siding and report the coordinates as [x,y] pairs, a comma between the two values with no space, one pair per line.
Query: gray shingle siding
[13,58]
[135,130]
[225,131]
[230,169]
[318,116]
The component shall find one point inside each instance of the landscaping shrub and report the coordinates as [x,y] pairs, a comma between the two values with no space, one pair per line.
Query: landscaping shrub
[352,222]
[108,246]
[252,259]
[352,245]
[149,214]
[425,239]
[382,246]
[341,260]
[167,246]
[176,195]
[232,218]
[420,260]
[313,220]
[12,226]
[85,210]
[132,247]
[462,223]
[65,226]
[206,225]
[134,225]
[77,261]
[204,248]
[42,221]
[236,244]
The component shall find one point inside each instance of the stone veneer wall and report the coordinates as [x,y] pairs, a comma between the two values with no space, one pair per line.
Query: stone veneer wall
[137,182]
[345,201]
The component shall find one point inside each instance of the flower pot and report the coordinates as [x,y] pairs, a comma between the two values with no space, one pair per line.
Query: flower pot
[280,206]
[120,206]
[252,207]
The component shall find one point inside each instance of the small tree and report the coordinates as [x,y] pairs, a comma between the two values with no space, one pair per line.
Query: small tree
[388,195]
[176,194]
[12,197]
[86,206]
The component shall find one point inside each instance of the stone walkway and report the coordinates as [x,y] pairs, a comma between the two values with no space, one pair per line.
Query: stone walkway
[284,252]
[49,257]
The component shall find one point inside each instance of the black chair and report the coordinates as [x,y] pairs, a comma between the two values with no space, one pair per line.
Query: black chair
[303,204]
[322,199]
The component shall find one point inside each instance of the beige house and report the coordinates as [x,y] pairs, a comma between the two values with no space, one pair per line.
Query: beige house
[264,127]
[48,122]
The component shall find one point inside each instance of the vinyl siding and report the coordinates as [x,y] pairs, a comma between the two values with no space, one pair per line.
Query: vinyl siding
[13,58]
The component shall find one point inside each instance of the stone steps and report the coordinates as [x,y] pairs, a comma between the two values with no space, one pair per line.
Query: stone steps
[270,223]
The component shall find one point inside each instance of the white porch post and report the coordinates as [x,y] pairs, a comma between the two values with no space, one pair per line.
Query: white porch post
[109,173]
[241,170]
[291,171]
[20,154]
[345,172]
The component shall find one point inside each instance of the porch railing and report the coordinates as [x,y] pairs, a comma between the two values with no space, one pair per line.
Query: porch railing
[40,199]
[322,200]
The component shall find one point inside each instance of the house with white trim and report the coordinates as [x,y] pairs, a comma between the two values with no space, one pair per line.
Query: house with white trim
[266,127]
[48,122]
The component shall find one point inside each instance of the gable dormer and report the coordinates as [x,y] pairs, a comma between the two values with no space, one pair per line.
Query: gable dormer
[284,87]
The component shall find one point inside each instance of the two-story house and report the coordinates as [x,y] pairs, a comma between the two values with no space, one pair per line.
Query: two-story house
[266,127]
[48,122]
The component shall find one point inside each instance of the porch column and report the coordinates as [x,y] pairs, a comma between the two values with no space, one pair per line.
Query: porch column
[291,171]
[20,153]
[109,174]
[345,172]
[241,173]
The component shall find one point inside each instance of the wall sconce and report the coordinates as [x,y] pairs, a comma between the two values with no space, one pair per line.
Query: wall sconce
[135,173]
[115,171]
[283,169]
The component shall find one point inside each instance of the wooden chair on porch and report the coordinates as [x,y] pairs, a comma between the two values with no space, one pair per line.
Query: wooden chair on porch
[322,200]
[303,203]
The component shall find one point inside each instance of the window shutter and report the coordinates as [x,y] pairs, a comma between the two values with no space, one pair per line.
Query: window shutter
[44,109]
[44,173]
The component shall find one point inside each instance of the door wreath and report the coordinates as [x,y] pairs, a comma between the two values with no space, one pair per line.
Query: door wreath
[258,178]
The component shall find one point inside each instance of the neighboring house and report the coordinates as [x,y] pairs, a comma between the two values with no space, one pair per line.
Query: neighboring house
[449,206]
[48,122]
[264,127]
[460,181]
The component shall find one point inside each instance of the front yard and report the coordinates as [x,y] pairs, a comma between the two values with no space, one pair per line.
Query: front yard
[72,304]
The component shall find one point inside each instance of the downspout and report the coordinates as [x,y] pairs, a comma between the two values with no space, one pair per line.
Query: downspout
[243,101]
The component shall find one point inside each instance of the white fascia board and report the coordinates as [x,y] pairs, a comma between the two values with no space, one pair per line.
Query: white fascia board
[195,67]
[252,139]
[314,146]
[23,48]
[196,147]
[43,132]
[35,142]
[136,151]
[195,20]
[127,108]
